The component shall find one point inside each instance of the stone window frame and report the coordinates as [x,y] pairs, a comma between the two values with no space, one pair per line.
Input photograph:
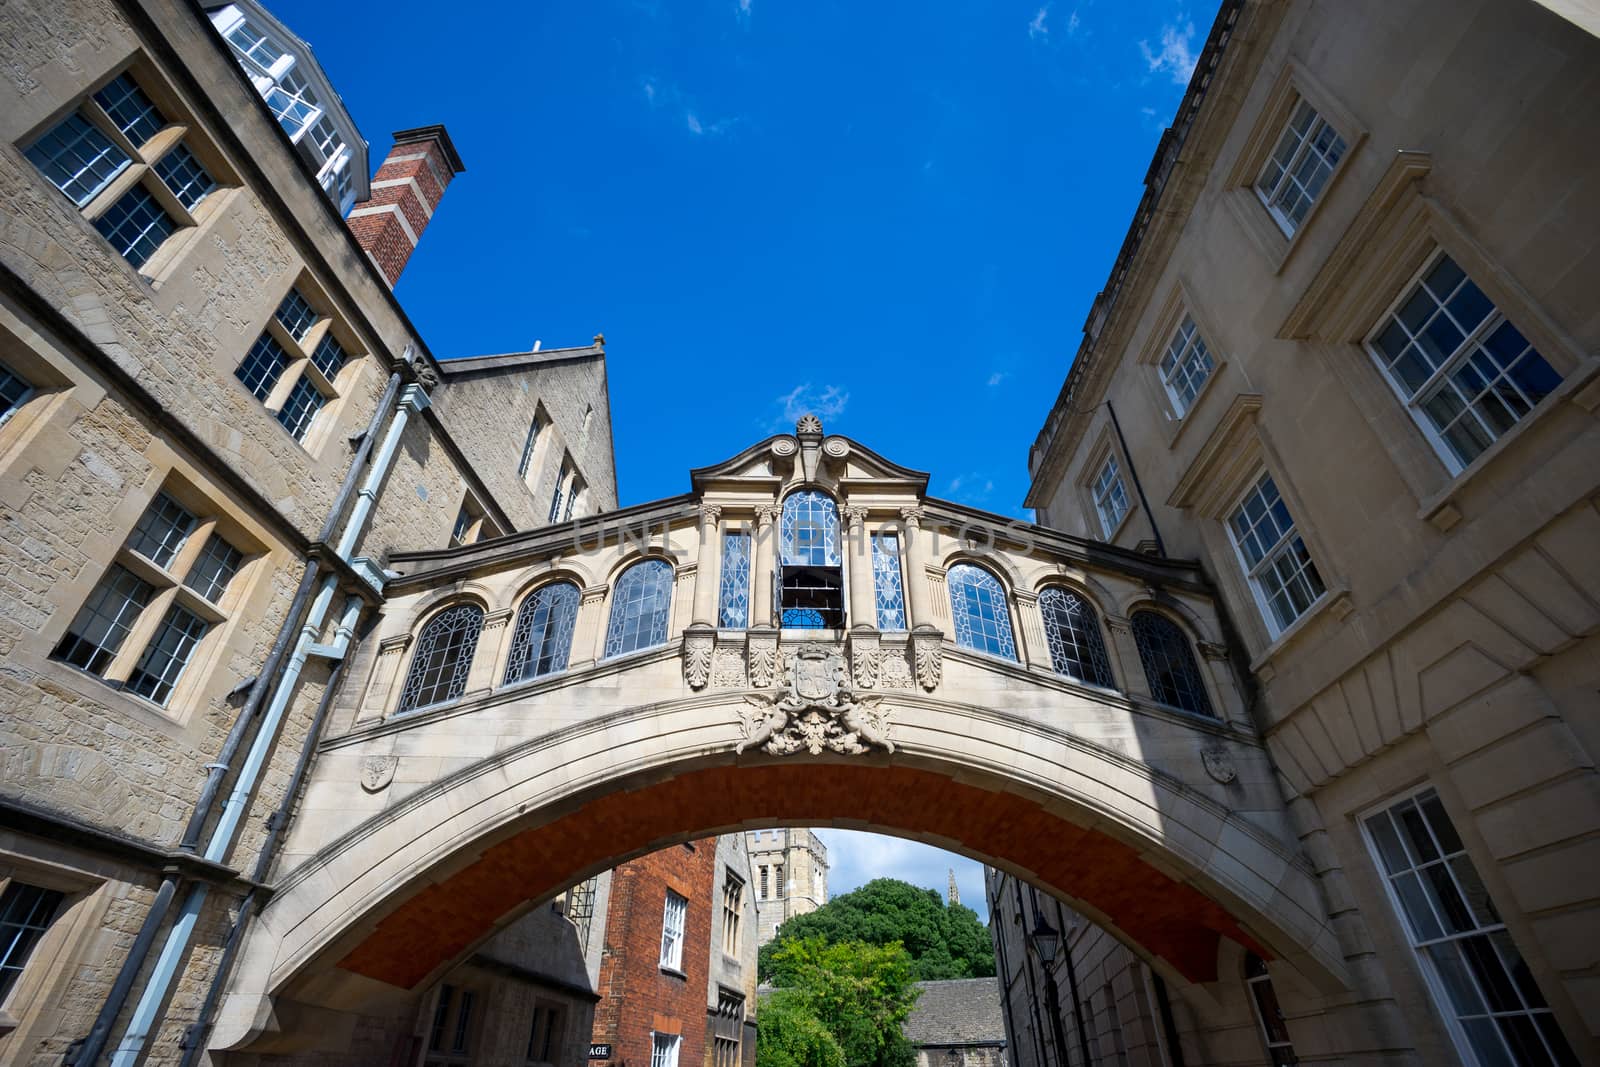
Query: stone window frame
[171,590]
[474,656]
[1395,915]
[619,571]
[1008,592]
[445,1011]
[1104,448]
[1220,709]
[733,888]
[477,526]
[1114,666]
[302,364]
[1296,529]
[180,129]
[1181,301]
[1231,460]
[58,954]
[554,1014]
[533,446]
[1280,1052]
[502,658]
[1293,83]
[1396,233]
[48,386]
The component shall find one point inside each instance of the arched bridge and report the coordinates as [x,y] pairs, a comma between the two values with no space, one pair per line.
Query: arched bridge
[806,638]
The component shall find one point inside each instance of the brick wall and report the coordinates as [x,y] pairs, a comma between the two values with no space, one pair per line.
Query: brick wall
[636,995]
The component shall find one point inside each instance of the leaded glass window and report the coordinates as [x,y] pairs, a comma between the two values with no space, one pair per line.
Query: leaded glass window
[809,530]
[136,225]
[162,530]
[888,594]
[1072,630]
[542,640]
[1292,178]
[1275,557]
[1110,497]
[1466,374]
[134,113]
[329,357]
[1185,366]
[26,912]
[214,568]
[640,605]
[1478,977]
[733,602]
[979,610]
[104,621]
[444,657]
[78,158]
[302,406]
[296,314]
[167,655]
[1169,663]
[14,390]
[262,366]
[189,181]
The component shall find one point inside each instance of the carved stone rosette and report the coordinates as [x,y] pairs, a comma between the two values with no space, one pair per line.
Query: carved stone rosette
[698,646]
[927,648]
[865,655]
[819,712]
[763,653]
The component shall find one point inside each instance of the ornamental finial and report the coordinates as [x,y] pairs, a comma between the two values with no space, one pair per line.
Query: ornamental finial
[809,425]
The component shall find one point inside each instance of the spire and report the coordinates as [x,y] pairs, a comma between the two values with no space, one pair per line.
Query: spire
[955,894]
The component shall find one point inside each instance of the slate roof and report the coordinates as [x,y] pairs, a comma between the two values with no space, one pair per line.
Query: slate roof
[963,1011]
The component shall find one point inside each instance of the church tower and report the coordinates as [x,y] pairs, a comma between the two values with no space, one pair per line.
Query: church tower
[790,867]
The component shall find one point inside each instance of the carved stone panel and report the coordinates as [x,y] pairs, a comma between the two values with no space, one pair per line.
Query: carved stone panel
[819,713]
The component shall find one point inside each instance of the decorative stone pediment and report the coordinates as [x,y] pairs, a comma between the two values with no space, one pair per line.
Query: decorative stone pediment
[819,712]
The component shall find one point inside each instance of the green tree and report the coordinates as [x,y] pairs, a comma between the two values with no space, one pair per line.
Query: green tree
[789,1035]
[943,941]
[837,1005]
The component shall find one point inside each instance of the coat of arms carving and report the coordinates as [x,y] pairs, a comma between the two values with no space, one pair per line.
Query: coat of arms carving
[377,772]
[819,712]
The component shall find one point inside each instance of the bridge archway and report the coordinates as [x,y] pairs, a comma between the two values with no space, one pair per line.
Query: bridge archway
[391,903]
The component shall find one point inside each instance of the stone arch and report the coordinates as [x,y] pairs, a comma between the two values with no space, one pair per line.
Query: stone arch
[629,558]
[1114,666]
[530,582]
[384,904]
[1184,615]
[425,607]
[1187,626]
[997,563]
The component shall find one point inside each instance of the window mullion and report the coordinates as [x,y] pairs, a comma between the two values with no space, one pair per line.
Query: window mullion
[130,175]
[140,634]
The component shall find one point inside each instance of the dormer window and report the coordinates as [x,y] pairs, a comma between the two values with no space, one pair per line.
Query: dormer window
[810,571]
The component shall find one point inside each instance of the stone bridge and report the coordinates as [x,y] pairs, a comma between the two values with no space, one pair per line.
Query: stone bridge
[805,639]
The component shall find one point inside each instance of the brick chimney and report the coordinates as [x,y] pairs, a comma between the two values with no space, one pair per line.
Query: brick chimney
[404,196]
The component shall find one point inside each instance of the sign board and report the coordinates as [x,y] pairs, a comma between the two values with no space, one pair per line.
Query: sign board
[599,1052]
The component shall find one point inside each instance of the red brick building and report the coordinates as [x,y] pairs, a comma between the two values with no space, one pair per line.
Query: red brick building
[677,973]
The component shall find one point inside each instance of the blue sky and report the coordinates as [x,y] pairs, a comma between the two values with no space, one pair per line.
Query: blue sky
[894,214]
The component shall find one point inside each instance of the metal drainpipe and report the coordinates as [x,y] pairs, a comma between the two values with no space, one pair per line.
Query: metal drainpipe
[194,1040]
[89,1049]
[1138,486]
[147,1012]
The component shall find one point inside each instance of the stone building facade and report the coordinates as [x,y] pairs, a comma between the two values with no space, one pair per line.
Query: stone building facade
[1347,360]
[790,867]
[216,423]
[677,975]
[958,1023]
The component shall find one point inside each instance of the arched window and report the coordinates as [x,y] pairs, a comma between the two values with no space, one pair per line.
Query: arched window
[978,606]
[639,607]
[811,579]
[444,657]
[1169,663]
[1072,630]
[542,640]
[1273,1029]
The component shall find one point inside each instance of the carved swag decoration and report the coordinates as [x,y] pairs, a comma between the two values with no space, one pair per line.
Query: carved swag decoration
[819,713]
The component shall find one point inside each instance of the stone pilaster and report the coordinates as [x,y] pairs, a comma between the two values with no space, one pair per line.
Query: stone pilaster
[863,602]
[761,571]
[706,569]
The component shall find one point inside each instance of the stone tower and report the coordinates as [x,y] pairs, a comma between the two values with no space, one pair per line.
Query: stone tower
[790,867]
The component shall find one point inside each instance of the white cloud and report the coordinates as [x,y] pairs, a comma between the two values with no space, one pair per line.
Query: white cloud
[827,403]
[997,377]
[974,488]
[1176,55]
[1037,28]
[650,91]
[744,8]
[1072,23]
[694,123]
[856,858]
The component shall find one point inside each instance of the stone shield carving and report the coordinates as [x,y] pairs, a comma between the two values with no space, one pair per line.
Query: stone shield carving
[819,713]
[1218,765]
[377,772]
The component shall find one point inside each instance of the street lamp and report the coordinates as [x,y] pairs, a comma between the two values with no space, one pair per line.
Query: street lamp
[1046,939]
[1046,942]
